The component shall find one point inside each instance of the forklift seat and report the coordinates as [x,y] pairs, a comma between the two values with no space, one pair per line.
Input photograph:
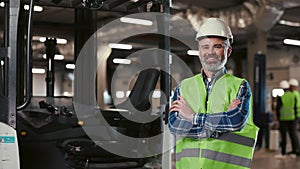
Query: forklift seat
[140,95]
[89,155]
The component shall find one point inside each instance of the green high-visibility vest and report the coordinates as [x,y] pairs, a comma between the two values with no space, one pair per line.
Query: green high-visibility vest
[287,110]
[233,150]
[297,95]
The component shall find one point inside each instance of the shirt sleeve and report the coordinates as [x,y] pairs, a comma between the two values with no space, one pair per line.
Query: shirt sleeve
[213,125]
[185,128]
[228,121]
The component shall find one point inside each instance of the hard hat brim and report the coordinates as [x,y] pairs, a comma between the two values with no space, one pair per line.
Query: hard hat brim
[210,36]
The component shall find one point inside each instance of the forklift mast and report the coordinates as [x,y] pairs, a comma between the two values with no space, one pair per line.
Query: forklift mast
[9,155]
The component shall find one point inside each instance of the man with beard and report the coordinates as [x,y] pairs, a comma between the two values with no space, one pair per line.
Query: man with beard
[211,113]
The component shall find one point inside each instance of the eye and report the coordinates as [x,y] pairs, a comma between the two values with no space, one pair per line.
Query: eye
[218,46]
[205,47]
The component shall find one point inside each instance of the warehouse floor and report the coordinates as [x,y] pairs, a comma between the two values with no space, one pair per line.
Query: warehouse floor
[264,159]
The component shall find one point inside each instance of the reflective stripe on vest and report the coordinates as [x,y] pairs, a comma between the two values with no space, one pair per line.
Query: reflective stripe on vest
[214,155]
[195,152]
[287,111]
[246,141]
[232,150]
[226,158]
[188,152]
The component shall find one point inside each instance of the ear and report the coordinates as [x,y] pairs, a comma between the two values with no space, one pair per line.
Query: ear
[229,50]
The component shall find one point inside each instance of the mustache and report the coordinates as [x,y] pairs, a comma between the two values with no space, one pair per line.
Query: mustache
[208,56]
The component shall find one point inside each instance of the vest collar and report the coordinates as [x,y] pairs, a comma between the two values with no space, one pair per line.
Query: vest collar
[215,77]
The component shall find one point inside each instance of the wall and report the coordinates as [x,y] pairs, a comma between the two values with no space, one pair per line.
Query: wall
[62,84]
[282,63]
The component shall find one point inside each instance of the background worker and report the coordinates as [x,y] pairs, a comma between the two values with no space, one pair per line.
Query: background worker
[211,114]
[285,110]
[294,88]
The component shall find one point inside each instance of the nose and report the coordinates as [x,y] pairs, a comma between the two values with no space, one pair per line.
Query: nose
[211,50]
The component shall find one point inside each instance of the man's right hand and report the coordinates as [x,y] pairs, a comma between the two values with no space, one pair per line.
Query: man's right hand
[183,108]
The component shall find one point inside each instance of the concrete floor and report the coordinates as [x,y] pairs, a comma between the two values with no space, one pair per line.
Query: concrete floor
[47,156]
[264,159]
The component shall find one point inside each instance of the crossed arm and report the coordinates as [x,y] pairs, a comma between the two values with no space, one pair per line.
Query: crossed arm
[184,122]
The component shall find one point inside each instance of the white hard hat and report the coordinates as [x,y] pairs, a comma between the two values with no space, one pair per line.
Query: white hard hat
[214,27]
[284,84]
[293,82]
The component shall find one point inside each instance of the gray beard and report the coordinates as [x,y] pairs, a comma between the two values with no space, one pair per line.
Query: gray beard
[214,67]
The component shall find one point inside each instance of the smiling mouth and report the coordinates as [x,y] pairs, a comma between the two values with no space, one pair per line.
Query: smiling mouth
[211,59]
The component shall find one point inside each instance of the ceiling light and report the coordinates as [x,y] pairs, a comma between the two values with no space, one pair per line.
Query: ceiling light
[59,57]
[120,94]
[56,57]
[58,40]
[289,23]
[61,41]
[193,52]
[277,92]
[136,21]
[291,42]
[128,93]
[2,4]
[121,61]
[71,75]
[38,8]
[156,94]
[38,70]
[26,7]
[70,66]
[67,94]
[120,46]
[35,8]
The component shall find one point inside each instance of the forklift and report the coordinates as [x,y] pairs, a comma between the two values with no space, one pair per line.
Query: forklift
[47,132]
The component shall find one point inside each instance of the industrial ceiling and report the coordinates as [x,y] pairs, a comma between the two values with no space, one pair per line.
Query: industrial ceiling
[278,18]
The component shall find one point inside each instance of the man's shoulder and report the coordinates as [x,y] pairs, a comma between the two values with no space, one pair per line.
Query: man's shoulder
[192,81]
[193,78]
[235,79]
[296,92]
[227,75]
